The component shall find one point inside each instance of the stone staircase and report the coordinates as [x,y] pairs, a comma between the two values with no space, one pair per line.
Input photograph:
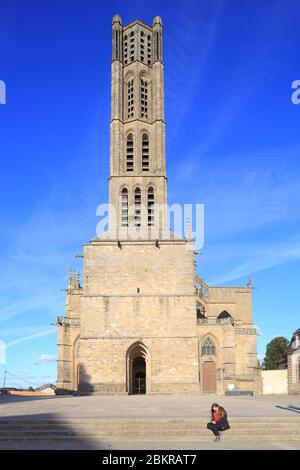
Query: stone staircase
[145,430]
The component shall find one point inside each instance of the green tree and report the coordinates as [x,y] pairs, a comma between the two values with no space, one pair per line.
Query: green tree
[275,351]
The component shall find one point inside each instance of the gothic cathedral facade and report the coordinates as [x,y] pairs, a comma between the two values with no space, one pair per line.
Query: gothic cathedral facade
[143,321]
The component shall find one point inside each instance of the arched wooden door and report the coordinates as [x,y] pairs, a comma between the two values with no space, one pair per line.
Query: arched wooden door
[209,379]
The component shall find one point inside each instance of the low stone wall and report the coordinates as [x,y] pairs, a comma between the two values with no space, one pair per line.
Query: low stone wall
[25,393]
[274,382]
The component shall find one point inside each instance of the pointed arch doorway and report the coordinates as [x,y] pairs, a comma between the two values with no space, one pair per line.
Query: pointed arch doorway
[138,369]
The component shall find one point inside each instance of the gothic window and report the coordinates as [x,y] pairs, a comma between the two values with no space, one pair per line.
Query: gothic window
[132,46]
[130,98]
[224,314]
[149,47]
[225,317]
[142,45]
[145,152]
[208,348]
[158,46]
[117,45]
[125,50]
[137,207]
[144,90]
[124,207]
[129,153]
[150,206]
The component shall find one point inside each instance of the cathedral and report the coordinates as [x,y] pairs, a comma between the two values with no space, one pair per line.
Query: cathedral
[142,321]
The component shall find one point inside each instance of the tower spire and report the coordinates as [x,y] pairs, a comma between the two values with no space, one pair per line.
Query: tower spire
[137,180]
[78,280]
[71,280]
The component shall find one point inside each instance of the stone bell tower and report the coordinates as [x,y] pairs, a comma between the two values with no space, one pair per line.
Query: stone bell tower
[140,321]
[137,307]
[137,129]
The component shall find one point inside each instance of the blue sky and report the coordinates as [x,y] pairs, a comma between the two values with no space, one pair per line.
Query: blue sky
[233,143]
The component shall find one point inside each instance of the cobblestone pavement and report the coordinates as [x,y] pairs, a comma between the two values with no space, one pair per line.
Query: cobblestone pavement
[151,406]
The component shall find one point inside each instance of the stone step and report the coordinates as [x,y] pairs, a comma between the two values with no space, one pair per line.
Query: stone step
[144,425]
[134,422]
[202,438]
[104,429]
[145,432]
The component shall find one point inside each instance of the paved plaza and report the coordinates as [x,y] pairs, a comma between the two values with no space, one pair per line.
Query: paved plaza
[79,415]
[146,406]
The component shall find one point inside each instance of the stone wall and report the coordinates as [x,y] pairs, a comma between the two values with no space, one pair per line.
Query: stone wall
[68,333]
[274,382]
[139,292]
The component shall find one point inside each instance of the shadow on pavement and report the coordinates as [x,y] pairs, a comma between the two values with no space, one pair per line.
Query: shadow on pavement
[46,433]
[295,409]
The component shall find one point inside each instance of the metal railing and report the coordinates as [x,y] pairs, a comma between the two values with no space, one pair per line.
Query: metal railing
[217,321]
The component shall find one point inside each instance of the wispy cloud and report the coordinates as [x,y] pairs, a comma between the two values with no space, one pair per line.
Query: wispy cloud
[45,358]
[36,252]
[261,257]
[246,192]
[258,60]
[30,304]
[34,268]
[16,331]
[183,69]
[40,334]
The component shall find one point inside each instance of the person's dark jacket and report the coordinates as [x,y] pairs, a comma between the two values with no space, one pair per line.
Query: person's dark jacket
[223,423]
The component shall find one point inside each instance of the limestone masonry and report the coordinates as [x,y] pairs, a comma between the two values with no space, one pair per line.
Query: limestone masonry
[143,321]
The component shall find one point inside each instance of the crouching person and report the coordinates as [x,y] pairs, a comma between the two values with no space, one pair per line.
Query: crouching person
[219,421]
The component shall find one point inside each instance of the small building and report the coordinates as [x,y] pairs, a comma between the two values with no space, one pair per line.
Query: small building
[7,390]
[293,362]
[47,389]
